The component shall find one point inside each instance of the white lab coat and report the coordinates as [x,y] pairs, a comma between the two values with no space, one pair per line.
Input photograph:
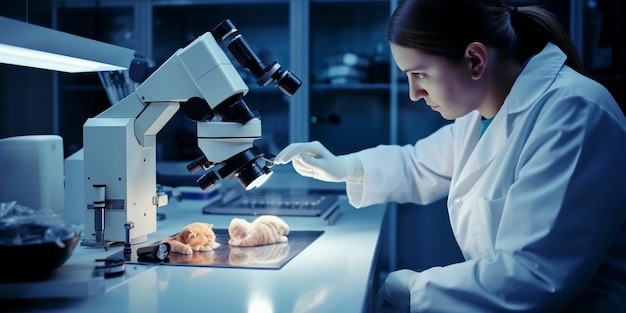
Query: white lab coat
[537,204]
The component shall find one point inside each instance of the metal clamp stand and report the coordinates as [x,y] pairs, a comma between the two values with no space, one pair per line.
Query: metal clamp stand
[127,248]
[99,205]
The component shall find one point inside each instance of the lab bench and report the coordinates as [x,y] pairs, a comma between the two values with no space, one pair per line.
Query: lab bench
[337,272]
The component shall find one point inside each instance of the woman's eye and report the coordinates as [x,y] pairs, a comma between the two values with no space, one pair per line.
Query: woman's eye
[419,75]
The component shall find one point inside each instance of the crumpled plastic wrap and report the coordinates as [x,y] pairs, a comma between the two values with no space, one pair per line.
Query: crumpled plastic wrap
[21,225]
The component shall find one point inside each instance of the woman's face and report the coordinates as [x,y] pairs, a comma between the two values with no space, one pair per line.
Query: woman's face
[446,87]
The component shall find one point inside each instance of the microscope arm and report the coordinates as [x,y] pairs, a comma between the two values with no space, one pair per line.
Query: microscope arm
[200,70]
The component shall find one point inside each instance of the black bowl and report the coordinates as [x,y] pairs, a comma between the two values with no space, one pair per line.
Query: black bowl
[31,262]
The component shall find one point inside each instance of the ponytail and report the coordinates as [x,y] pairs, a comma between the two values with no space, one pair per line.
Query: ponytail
[535,27]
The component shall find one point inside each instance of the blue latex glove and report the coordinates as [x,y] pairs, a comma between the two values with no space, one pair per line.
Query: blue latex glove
[312,159]
[395,294]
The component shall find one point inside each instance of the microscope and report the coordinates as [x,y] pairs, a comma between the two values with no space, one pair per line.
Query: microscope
[119,144]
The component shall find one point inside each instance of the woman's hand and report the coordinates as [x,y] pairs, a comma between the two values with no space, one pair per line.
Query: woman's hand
[395,294]
[312,159]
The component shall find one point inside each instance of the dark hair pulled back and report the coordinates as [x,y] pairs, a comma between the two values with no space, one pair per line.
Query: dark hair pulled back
[445,27]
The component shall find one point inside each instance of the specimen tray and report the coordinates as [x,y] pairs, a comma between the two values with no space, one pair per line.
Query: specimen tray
[273,256]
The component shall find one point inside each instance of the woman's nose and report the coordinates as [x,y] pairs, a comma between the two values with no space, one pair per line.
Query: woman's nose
[416,92]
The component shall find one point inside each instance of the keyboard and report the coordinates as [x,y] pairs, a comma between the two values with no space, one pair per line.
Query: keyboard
[286,202]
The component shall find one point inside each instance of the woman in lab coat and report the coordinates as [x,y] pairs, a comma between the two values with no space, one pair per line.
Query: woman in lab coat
[533,166]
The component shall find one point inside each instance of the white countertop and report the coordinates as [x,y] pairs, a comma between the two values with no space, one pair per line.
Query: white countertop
[334,274]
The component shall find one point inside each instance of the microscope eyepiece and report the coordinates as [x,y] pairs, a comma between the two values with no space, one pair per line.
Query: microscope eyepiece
[287,82]
[223,30]
[239,47]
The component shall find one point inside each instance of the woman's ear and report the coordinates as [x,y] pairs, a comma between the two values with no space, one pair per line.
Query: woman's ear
[476,54]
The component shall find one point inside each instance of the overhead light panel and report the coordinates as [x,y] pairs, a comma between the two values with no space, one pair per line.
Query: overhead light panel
[30,45]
